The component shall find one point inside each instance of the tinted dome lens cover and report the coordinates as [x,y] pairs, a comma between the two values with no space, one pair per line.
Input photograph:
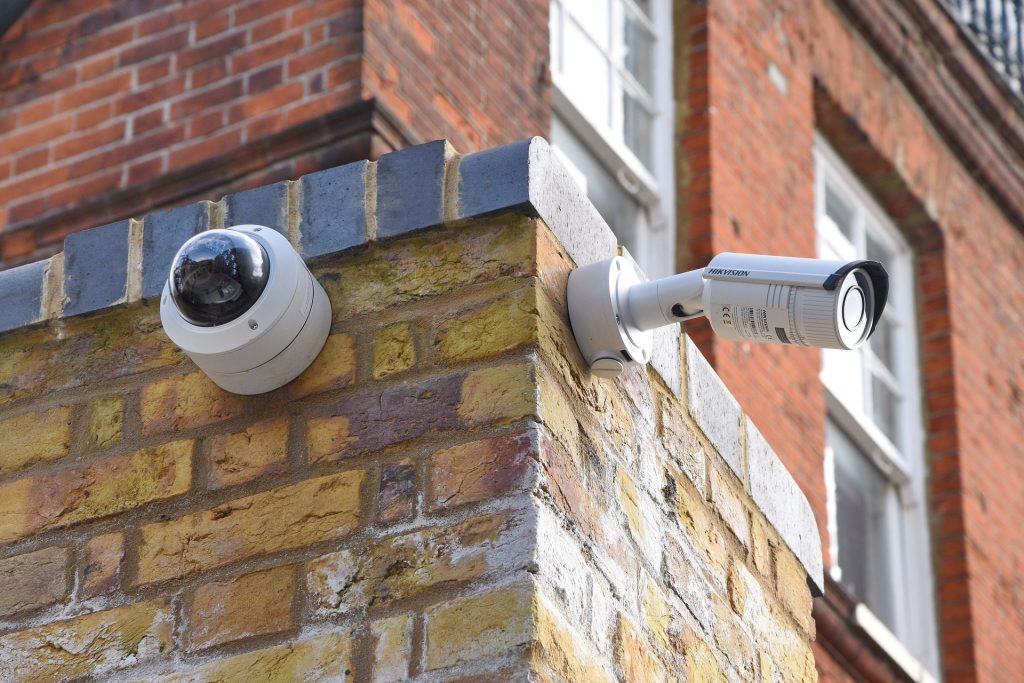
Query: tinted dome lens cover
[218,276]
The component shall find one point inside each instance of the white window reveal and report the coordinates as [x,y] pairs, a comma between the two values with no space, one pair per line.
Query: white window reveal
[611,62]
[874,461]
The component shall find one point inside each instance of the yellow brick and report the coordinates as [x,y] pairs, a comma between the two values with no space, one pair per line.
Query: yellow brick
[84,351]
[793,592]
[465,629]
[634,656]
[760,548]
[489,330]
[259,450]
[334,368]
[700,526]
[392,648]
[35,437]
[732,639]
[796,664]
[420,267]
[701,665]
[33,580]
[103,555]
[504,393]
[281,519]
[393,350]
[737,590]
[325,657]
[766,666]
[567,656]
[107,487]
[657,614]
[328,438]
[481,470]
[403,566]
[91,644]
[104,421]
[251,605]
[186,401]
[728,500]
[628,501]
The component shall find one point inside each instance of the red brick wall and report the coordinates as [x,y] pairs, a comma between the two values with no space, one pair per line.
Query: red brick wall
[476,73]
[746,174]
[99,95]
[103,95]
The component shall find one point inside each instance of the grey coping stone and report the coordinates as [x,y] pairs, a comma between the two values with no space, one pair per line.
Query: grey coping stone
[784,505]
[267,205]
[162,234]
[410,188]
[713,408]
[527,176]
[21,295]
[96,268]
[333,215]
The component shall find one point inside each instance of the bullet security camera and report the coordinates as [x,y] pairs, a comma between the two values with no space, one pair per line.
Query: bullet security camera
[242,304]
[613,309]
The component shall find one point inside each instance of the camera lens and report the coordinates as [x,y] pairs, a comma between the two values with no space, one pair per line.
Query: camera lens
[217,276]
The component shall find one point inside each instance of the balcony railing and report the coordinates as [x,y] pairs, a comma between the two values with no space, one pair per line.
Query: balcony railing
[997,27]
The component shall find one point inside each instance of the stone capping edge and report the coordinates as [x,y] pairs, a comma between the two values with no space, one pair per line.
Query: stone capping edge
[412,189]
[756,465]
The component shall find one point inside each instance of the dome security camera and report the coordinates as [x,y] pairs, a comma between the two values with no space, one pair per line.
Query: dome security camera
[613,309]
[242,305]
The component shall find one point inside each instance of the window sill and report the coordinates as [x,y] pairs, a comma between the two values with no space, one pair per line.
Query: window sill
[616,157]
[887,641]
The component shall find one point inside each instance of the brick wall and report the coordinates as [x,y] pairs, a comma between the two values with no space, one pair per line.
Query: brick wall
[110,108]
[445,494]
[911,108]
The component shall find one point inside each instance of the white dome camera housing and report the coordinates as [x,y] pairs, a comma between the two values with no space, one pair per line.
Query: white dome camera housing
[241,303]
[613,308]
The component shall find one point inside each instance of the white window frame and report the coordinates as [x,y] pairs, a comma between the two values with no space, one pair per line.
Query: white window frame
[901,462]
[652,187]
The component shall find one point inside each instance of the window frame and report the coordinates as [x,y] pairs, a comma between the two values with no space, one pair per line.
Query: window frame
[652,187]
[900,460]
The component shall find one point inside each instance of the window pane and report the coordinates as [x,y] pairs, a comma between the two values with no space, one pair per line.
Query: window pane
[840,212]
[885,406]
[586,75]
[883,343]
[615,205]
[638,124]
[861,492]
[876,252]
[639,58]
[556,37]
[644,5]
[595,18]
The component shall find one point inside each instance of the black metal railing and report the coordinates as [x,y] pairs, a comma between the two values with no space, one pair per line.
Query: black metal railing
[997,27]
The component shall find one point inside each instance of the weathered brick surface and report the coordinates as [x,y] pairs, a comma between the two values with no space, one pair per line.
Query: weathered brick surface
[250,605]
[33,580]
[466,629]
[35,437]
[289,517]
[445,493]
[318,658]
[52,500]
[259,450]
[94,643]
[103,564]
[192,400]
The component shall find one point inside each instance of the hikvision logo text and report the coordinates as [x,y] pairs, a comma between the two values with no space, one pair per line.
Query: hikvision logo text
[728,271]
